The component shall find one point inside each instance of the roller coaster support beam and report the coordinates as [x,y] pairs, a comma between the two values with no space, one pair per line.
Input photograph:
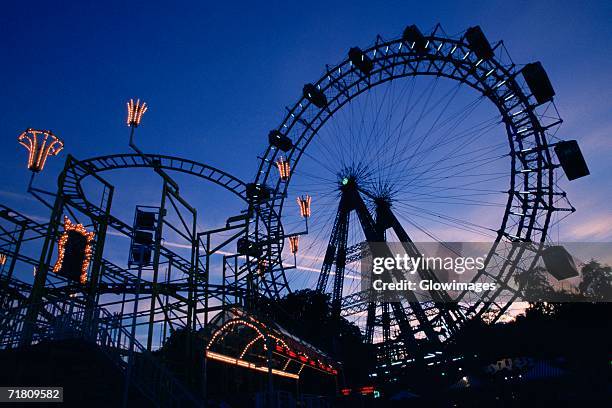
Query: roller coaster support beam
[16,249]
[40,278]
[156,255]
[96,266]
[159,171]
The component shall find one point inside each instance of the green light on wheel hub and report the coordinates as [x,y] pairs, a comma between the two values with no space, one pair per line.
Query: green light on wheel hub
[345,181]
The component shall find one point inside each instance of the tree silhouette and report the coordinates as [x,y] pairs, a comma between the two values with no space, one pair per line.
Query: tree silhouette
[596,281]
[534,284]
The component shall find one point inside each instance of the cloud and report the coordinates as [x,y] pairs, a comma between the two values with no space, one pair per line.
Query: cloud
[598,227]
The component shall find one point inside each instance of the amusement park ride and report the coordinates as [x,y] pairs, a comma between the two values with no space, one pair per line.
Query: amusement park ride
[365,171]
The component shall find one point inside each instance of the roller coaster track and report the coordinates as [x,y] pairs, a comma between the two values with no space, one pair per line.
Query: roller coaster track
[72,190]
[76,171]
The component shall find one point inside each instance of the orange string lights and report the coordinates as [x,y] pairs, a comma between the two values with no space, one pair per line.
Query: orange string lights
[293,244]
[304,203]
[284,170]
[135,112]
[40,145]
[242,363]
[61,247]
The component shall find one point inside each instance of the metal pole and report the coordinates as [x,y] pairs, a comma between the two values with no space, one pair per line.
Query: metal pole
[156,255]
[206,294]
[270,380]
[128,371]
[168,269]
[16,252]
[121,314]
[96,268]
[41,272]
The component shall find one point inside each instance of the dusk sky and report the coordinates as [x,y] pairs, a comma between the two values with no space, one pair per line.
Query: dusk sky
[217,76]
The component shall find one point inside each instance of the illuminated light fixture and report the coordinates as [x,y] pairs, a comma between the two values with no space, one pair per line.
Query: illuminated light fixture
[284,170]
[304,203]
[61,247]
[345,181]
[366,390]
[249,344]
[280,347]
[40,144]
[135,112]
[2,259]
[279,340]
[230,324]
[242,363]
[293,244]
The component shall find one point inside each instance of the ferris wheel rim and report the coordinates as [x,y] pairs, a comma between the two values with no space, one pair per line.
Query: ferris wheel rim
[336,88]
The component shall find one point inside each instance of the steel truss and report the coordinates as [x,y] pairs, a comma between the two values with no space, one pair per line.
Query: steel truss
[176,297]
[532,197]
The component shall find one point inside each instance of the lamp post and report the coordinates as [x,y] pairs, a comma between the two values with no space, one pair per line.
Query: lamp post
[304,203]
[134,117]
[293,246]
[40,144]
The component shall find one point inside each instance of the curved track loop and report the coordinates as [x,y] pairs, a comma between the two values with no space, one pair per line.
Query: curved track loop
[530,201]
[132,160]
[76,171]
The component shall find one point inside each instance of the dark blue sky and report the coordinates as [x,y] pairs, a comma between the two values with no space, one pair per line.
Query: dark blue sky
[217,75]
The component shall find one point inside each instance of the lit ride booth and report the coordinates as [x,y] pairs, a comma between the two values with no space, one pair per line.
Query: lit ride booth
[258,354]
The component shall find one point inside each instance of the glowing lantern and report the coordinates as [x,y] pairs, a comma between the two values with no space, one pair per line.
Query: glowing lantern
[40,144]
[2,259]
[293,244]
[304,203]
[135,112]
[74,251]
[283,168]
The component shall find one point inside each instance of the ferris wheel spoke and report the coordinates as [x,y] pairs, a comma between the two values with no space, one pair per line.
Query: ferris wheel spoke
[450,157]
[464,186]
[459,117]
[467,165]
[315,178]
[453,138]
[390,134]
[428,133]
[442,216]
[410,218]
[461,141]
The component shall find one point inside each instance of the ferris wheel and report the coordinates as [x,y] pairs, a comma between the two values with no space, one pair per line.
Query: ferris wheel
[426,137]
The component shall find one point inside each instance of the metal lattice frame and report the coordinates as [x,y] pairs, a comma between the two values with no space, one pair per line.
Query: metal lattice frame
[77,171]
[532,196]
[108,278]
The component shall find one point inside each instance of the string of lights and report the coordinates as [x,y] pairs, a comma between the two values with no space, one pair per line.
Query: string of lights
[40,145]
[63,241]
